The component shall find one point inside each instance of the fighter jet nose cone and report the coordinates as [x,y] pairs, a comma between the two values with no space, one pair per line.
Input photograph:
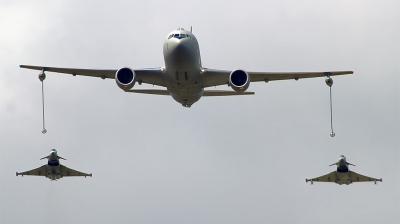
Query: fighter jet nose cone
[44,131]
[332,134]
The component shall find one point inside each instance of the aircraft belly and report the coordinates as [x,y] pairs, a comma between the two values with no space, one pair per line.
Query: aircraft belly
[184,83]
[186,95]
[53,172]
[343,178]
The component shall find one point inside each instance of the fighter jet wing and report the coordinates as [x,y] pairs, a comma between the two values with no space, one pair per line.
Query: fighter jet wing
[213,77]
[67,172]
[355,177]
[330,177]
[41,171]
[153,76]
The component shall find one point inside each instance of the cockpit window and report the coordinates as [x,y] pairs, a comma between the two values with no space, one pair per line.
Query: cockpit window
[179,36]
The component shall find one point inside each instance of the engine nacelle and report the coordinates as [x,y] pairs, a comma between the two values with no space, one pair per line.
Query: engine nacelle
[125,78]
[239,80]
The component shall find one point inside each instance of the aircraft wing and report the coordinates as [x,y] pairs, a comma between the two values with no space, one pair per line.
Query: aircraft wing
[355,177]
[213,77]
[67,172]
[41,171]
[152,76]
[330,177]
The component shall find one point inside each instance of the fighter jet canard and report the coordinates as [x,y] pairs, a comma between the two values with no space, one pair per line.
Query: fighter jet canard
[54,170]
[183,75]
[343,175]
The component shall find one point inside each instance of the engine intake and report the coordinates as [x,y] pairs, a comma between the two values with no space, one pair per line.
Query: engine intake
[239,80]
[125,78]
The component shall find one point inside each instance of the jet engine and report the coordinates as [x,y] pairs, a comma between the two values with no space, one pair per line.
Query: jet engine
[125,78]
[239,80]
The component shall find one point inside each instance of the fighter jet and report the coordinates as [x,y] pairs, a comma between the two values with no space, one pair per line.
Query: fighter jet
[54,170]
[343,175]
[183,76]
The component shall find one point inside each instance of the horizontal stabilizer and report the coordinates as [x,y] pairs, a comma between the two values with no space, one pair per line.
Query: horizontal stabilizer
[149,91]
[225,93]
[206,93]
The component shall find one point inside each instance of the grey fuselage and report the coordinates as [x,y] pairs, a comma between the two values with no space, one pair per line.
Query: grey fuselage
[342,166]
[342,172]
[53,166]
[183,67]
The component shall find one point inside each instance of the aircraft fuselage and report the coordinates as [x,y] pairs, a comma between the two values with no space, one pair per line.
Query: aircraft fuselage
[53,166]
[342,166]
[342,172]
[183,67]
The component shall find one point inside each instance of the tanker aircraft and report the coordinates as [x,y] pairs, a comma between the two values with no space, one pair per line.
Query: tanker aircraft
[343,175]
[54,170]
[183,75]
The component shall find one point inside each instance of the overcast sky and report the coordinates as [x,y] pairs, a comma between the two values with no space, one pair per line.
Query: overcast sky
[237,159]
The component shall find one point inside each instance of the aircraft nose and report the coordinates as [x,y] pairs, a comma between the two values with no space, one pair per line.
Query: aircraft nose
[179,45]
[53,155]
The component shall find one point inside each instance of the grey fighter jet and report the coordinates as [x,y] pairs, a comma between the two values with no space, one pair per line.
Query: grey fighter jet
[343,175]
[54,170]
[183,76]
